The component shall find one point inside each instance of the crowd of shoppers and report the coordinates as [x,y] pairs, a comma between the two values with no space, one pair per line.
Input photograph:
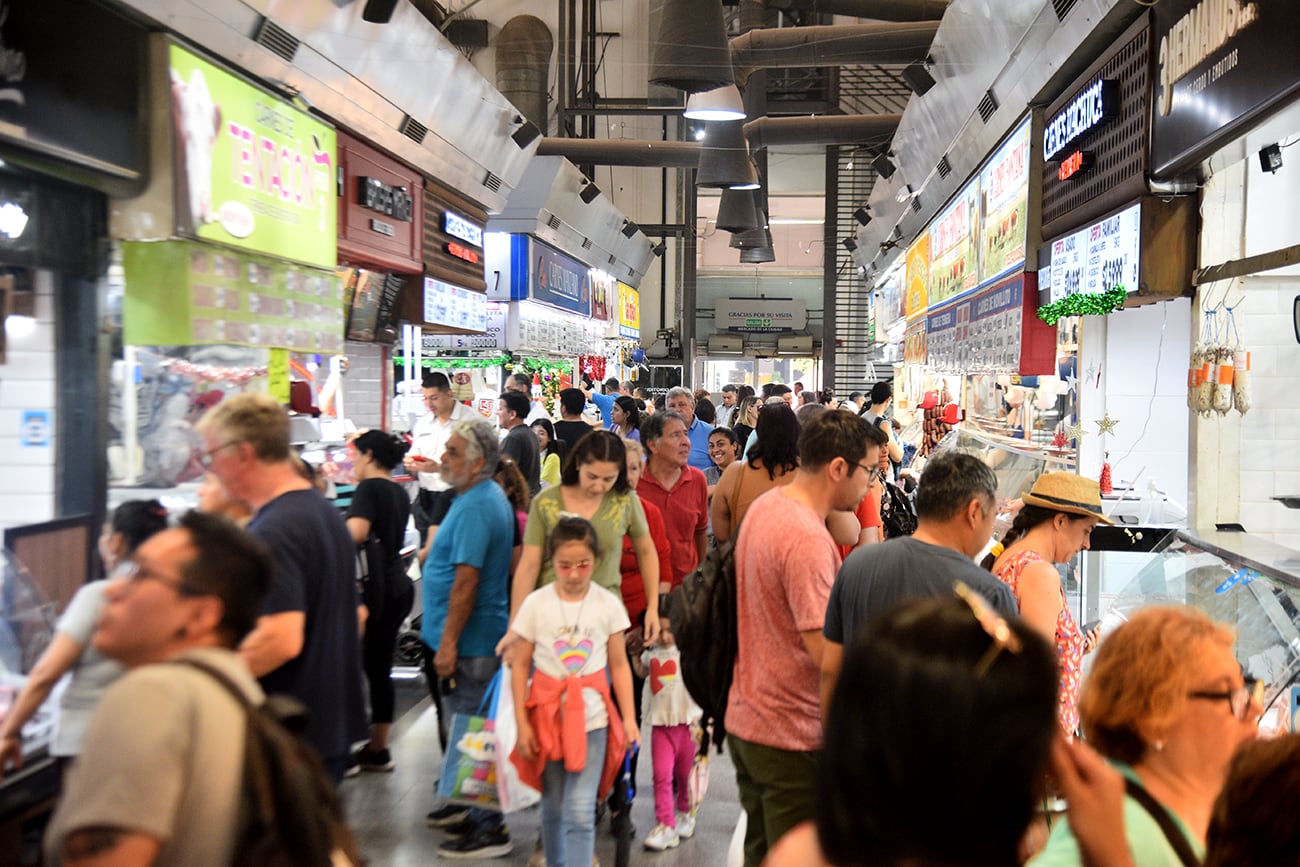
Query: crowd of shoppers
[871,677]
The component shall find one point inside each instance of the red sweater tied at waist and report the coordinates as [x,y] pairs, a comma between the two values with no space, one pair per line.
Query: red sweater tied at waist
[558,715]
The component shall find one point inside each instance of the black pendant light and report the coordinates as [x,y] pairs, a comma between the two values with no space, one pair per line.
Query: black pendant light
[692,52]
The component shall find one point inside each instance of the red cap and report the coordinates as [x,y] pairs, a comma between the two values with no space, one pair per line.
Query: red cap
[930,400]
[951,414]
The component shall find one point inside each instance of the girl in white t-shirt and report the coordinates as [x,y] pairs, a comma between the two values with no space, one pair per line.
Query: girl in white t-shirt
[571,743]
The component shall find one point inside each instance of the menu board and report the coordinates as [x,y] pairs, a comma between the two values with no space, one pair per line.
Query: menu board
[494,336]
[941,338]
[180,293]
[454,306]
[1004,206]
[916,295]
[1100,257]
[604,294]
[991,343]
[954,251]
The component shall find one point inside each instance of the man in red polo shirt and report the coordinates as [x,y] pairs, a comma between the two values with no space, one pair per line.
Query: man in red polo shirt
[678,489]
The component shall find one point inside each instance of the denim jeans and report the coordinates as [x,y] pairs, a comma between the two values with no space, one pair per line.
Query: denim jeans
[463,693]
[569,807]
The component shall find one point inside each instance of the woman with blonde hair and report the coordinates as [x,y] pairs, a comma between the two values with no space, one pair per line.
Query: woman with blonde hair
[1167,704]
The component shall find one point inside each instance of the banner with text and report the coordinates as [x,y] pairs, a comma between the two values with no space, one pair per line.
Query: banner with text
[916,297]
[954,248]
[629,312]
[759,315]
[560,281]
[1004,206]
[250,170]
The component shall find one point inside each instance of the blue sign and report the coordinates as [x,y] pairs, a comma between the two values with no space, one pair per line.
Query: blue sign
[35,430]
[560,281]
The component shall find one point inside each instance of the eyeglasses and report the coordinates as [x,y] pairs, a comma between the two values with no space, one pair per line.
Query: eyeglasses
[206,458]
[1239,700]
[873,471]
[135,574]
[993,623]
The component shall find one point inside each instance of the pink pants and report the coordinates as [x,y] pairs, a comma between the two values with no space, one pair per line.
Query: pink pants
[673,752]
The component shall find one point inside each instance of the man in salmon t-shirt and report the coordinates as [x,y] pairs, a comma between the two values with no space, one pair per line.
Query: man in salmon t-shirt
[786,562]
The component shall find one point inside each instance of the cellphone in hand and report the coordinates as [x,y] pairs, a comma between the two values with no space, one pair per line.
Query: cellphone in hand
[1091,625]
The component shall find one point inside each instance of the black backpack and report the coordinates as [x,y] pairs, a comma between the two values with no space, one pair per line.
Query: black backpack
[291,815]
[897,516]
[703,617]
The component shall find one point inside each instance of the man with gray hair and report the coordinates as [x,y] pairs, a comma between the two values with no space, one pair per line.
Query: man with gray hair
[682,401]
[466,610]
[956,502]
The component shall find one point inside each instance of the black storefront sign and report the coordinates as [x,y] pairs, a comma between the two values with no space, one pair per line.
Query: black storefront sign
[1219,65]
[70,85]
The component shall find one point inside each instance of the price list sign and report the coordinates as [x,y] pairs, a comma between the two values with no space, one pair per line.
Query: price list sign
[941,340]
[1099,257]
[995,323]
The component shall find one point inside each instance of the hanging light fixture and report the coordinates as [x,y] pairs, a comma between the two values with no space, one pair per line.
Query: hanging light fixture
[736,211]
[692,52]
[724,158]
[721,104]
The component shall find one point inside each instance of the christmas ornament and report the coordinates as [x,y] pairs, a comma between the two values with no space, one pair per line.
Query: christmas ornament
[1072,383]
[1060,441]
[1104,482]
[1106,425]
[1076,430]
[1084,304]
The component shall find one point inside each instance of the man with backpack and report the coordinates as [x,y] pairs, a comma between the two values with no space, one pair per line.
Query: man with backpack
[785,562]
[160,777]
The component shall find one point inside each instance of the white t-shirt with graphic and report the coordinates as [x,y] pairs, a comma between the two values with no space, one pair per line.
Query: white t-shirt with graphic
[572,638]
[670,703]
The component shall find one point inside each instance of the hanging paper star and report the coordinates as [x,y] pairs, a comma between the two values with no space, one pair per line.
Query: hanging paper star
[1106,425]
[1076,430]
[1060,441]
[1093,371]
[1073,382]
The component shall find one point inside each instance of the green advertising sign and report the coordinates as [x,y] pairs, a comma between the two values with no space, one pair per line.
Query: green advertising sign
[250,170]
[183,293]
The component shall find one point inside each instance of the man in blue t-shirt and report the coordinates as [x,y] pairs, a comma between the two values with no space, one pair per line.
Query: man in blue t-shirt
[681,401]
[467,610]
[605,402]
[306,642]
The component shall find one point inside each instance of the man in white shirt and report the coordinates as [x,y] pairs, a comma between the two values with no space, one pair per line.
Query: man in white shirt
[431,433]
[523,383]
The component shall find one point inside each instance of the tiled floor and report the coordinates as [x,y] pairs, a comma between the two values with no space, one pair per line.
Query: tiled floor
[387,810]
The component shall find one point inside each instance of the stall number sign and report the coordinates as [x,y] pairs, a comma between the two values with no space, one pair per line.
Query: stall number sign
[459,227]
[391,201]
[1100,257]
[1096,105]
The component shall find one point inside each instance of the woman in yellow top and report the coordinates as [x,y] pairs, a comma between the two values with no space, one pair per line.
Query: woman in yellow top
[593,485]
[551,450]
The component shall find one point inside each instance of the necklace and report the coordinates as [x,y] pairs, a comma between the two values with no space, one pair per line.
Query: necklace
[571,630]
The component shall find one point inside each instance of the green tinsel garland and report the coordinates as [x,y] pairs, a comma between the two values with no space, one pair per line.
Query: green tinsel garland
[1098,304]
[464,363]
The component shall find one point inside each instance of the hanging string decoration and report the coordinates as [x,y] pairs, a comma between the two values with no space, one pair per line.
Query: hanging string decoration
[208,373]
[592,367]
[552,376]
[1084,304]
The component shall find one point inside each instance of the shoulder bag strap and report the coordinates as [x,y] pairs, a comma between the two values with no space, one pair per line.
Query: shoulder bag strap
[220,677]
[1177,839]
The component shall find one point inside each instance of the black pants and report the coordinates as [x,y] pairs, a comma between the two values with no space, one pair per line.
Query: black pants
[428,510]
[377,647]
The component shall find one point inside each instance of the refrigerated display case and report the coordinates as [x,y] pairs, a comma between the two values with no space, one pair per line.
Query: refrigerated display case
[1016,463]
[1242,581]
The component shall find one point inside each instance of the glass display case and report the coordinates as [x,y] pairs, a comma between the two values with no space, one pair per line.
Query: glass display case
[1244,582]
[1016,463]
[27,620]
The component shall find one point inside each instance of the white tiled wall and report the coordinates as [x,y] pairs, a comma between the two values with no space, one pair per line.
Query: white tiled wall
[27,383]
[365,393]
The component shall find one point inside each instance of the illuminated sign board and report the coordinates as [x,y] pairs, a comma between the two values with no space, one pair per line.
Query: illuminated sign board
[1098,103]
[460,252]
[459,227]
[1098,257]
[1075,165]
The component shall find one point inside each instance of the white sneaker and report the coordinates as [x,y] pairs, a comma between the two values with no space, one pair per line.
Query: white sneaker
[686,825]
[661,838]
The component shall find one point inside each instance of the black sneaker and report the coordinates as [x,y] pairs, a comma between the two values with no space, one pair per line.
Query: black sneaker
[464,828]
[483,843]
[373,760]
[353,767]
[444,817]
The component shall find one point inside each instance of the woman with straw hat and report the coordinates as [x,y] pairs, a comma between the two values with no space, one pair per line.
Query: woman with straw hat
[1058,516]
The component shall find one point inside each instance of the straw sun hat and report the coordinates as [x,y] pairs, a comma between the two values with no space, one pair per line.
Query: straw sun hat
[1067,492]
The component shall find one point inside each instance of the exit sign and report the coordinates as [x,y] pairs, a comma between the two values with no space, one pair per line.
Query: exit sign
[1075,165]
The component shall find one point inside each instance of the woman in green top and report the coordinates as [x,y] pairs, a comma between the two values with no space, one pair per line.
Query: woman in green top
[593,485]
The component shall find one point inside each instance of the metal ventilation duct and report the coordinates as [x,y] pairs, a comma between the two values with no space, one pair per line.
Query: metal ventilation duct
[879,10]
[797,47]
[547,204]
[408,70]
[623,152]
[523,61]
[859,129]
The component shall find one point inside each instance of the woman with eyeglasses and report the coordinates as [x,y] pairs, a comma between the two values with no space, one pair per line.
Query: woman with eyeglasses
[70,650]
[1167,704]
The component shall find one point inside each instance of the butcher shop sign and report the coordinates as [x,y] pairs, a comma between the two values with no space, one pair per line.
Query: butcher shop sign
[251,170]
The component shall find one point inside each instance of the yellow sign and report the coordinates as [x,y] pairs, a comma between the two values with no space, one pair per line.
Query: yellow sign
[277,375]
[629,311]
[916,292]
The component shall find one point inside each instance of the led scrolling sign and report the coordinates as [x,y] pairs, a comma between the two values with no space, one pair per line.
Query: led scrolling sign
[1097,104]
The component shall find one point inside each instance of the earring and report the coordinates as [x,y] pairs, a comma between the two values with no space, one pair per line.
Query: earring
[1159,745]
